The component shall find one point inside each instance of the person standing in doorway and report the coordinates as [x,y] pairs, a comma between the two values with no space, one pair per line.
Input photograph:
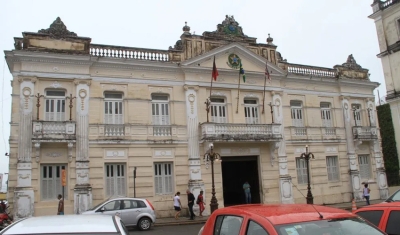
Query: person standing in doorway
[200,201]
[191,199]
[177,204]
[247,193]
[60,205]
[366,192]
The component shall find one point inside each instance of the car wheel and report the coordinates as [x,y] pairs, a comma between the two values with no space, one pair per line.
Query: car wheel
[144,224]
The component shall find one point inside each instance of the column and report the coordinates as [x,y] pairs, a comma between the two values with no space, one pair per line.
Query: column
[351,152]
[285,180]
[195,183]
[82,190]
[23,193]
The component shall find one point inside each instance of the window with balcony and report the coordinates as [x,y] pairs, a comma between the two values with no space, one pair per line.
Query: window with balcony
[326,114]
[160,115]
[301,167]
[357,114]
[50,182]
[55,105]
[218,110]
[163,181]
[332,167]
[365,166]
[297,113]
[251,111]
[113,108]
[115,179]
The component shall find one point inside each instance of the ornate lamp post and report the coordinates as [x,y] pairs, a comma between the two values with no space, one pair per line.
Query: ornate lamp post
[38,96]
[212,156]
[70,105]
[307,156]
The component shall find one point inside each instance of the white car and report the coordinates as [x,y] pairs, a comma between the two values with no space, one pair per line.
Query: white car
[136,212]
[68,224]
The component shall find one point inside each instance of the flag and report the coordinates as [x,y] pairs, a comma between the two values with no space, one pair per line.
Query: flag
[214,71]
[241,71]
[267,72]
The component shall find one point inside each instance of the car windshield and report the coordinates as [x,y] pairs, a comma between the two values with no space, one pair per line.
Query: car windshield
[394,197]
[93,208]
[346,226]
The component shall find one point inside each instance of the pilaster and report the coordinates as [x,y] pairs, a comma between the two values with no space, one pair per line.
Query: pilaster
[381,178]
[82,190]
[285,180]
[23,193]
[195,184]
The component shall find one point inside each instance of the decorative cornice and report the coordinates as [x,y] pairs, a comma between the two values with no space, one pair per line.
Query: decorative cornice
[28,79]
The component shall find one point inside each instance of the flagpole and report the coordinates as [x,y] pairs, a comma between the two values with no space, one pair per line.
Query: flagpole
[265,83]
[208,101]
[237,106]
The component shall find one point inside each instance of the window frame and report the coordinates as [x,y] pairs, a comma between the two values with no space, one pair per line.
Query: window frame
[357,114]
[163,177]
[366,167]
[219,108]
[158,107]
[301,171]
[115,188]
[333,176]
[56,185]
[296,110]
[251,111]
[110,104]
[326,114]
[54,99]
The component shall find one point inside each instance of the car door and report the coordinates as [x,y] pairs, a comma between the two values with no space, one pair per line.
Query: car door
[130,212]
[392,225]
[111,208]
[374,216]
[228,225]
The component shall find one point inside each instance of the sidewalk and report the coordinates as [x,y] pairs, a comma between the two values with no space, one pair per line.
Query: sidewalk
[201,220]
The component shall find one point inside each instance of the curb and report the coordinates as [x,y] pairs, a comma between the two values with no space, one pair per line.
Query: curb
[189,222]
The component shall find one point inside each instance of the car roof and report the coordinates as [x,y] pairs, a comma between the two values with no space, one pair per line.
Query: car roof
[64,224]
[289,213]
[383,204]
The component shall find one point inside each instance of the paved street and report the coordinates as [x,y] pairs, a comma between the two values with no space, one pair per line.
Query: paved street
[192,229]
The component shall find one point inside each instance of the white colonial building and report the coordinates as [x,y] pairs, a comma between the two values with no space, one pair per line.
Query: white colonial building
[100,111]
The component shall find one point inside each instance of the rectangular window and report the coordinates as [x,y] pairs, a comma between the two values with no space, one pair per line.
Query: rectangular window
[218,110]
[115,179]
[50,176]
[163,183]
[332,167]
[113,108]
[357,114]
[251,111]
[55,105]
[301,167]
[326,115]
[365,166]
[160,109]
[297,113]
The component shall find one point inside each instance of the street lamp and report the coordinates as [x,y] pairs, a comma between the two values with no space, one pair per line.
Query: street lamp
[211,156]
[306,156]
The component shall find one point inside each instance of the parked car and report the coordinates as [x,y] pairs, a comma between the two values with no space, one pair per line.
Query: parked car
[286,219]
[394,197]
[135,212]
[386,216]
[68,224]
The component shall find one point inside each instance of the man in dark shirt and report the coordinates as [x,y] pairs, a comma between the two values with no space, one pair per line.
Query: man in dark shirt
[190,203]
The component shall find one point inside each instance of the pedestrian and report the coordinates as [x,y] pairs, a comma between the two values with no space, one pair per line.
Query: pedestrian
[366,192]
[247,193]
[191,199]
[60,205]
[200,202]
[177,204]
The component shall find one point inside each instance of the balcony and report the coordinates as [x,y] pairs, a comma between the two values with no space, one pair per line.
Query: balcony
[315,133]
[240,132]
[365,132]
[62,130]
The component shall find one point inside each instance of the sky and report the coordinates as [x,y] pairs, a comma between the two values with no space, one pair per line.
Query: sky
[310,32]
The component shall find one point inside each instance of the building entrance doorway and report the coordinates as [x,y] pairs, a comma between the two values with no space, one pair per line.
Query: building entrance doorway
[235,172]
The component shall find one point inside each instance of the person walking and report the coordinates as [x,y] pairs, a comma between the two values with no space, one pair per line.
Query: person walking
[247,193]
[191,199]
[200,202]
[366,192]
[177,204]
[60,205]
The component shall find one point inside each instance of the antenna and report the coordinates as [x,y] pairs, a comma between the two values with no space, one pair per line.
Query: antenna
[320,215]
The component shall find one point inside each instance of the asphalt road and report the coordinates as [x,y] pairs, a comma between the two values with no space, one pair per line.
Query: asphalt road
[192,229]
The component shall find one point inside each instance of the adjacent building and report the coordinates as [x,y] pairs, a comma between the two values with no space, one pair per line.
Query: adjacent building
[99,112]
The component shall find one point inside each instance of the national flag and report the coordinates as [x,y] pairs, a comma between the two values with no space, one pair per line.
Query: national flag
[241,71]
[267,72]
[214,71]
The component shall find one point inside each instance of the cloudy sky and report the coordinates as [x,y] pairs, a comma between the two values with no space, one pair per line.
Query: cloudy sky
[313,32]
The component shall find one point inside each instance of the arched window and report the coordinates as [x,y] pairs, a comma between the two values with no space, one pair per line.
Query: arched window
[326,114]
[251,111]
[297,113]
[160,109]
[218,110]
[55,105]
[113,108]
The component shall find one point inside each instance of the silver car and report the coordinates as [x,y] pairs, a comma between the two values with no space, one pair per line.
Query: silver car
[135,212]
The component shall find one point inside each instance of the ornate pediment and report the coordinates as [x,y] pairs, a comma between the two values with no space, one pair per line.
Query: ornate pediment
[351,63]
[58,30]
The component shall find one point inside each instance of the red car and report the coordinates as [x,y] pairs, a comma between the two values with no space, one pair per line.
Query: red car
[386,216]
[286,219]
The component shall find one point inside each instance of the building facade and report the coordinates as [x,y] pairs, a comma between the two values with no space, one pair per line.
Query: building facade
[99,112]
[387,21]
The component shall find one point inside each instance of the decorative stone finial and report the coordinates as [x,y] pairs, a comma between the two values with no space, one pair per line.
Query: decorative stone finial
[351,63]
[58,30]
[269,39]
[186,29]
